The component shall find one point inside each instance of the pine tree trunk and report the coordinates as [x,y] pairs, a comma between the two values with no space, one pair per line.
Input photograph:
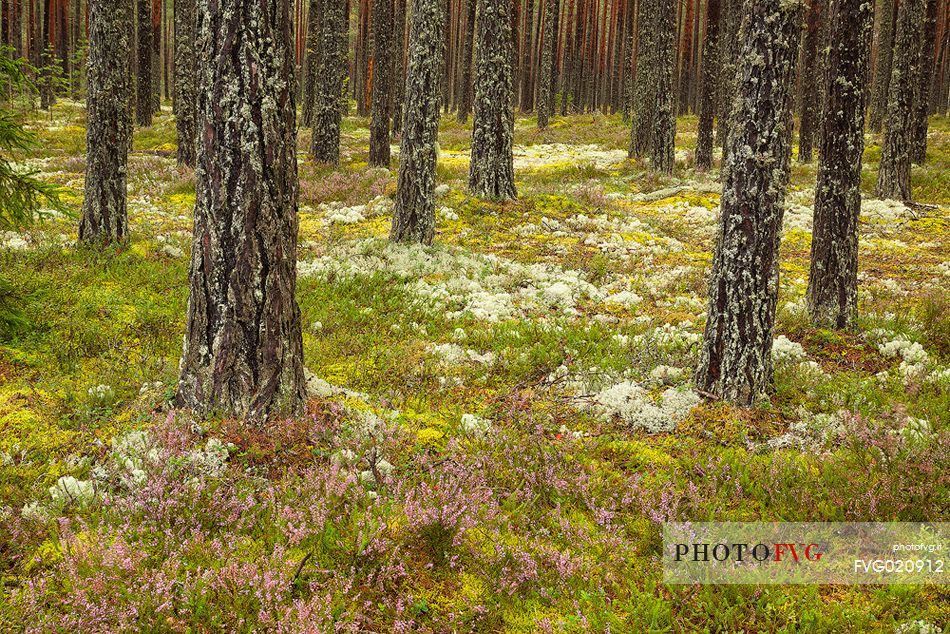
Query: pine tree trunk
[399,71]
[809,80]
[327,112]
[707,98]
[243,353]
[547,62]
[833,280]
[925,73]
[311,61]
[647,80]
[492,167]
[108,127]
[156,56]
[731,18]
[186,79]
[685,61]
[882,69]
[893,179]
[526,92]
[735,363]
[382,83]
[414,211]
[663,149]
[144,109]
[465,103]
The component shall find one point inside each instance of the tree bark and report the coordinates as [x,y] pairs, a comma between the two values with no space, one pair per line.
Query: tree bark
[707,98]
[833,279]
[186,79]
[108,127]
[243,353]
[647,68]
[399,71]
[414,211]
[882,68]
[327,113]
[893,180]
[492,174]
[311,61]
[735,363]
[663,146]
[144,107]
[925,72]
[810,80]
[468,47]
[545,102]
[382,83]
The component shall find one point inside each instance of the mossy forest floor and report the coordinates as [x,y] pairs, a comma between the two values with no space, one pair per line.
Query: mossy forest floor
[499,424]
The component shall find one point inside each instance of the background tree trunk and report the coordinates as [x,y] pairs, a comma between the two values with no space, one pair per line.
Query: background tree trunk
[327,113]
[882,68]
[144,107]
[707,97]
[736,361]
[382,83]
[414,211]
[647,69]
[925,73]
[186,79]
[893,179]
[663,149]
[810,79]
[104,212]
[243,353]
[399,71]
[468,47]
[492,167]
[833,280]
[311,61]
[545,81]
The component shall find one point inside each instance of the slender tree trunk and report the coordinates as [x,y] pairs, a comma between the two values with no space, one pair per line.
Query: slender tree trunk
[686,58]
[925,72]
[311,61]
[663,150]
[809,80]
[527,95]
[547,61]
[399,72]
[647,79]
[414,211]
[893,180]
[833,280]
[108,127]
[492,167]
[327,112]
[736,362]
[382,83]
[882,70]
[243,353]
[156,56]
[144,107]
[707,98]
[186,80]
[468,47]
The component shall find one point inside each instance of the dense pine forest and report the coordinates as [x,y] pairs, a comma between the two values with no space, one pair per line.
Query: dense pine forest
[431,315]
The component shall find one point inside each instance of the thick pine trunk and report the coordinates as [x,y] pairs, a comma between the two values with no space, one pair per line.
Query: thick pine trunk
[545,102]
[108,127]
[243,353]
[893,179]
[707,97]
[327,112]
[833,280]
[414,211]
[663,146]
[735,362]
[311,61]
[382,83]
[810,80]
[186,79]
[925,73]
[882,68]
[492,173]
[468,47]
[143,104]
